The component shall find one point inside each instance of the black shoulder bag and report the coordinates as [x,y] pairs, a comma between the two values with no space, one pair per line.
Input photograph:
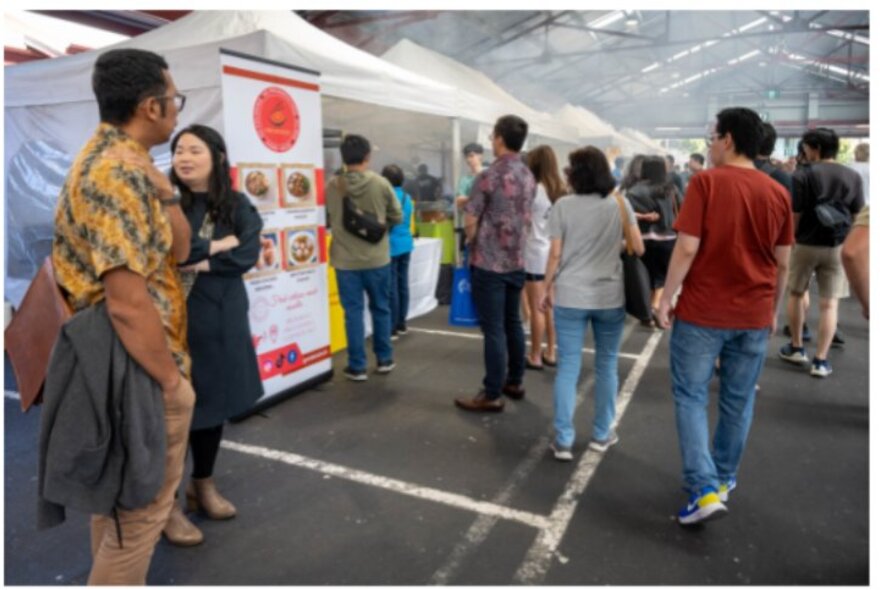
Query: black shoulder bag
[636,280]
[358,222]
[828,211]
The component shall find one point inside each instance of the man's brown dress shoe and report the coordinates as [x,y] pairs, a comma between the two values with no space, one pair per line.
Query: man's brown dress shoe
[514,391]
[480,403]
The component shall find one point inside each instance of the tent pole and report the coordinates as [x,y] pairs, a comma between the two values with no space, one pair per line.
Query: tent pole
[456,174]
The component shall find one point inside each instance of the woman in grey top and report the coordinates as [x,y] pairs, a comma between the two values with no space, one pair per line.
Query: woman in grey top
[584,284]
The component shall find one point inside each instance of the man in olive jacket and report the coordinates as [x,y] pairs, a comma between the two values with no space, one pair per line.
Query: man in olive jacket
[361,266]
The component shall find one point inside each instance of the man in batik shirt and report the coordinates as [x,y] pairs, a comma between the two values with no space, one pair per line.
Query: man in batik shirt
[498,216]
[119,234]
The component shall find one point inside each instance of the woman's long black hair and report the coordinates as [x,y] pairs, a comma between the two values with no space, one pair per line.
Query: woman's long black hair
[655,176]
[221,199]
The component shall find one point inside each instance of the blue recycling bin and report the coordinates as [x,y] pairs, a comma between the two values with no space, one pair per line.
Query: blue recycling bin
[462,311]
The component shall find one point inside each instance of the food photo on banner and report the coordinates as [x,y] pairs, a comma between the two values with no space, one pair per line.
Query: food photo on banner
[272,121]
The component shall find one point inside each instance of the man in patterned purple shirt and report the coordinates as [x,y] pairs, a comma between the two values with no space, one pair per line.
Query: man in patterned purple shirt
[498,217]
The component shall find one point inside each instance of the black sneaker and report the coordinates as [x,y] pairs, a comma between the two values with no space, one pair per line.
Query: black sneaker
[353,375]
[837,340]
[394,335]
[402,330]
[385,367]
[806,335]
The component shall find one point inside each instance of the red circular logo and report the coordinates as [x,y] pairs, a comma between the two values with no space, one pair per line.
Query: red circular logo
[276,119]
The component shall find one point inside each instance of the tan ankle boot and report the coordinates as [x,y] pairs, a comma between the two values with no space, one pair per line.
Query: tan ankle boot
[179,530]
[202,494]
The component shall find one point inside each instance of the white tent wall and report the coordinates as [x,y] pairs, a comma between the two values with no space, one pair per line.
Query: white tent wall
[50,110]
[398,137]
[543,127]
[645,144]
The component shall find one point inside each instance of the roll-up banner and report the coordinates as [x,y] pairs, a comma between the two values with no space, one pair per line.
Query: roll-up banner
[272,124]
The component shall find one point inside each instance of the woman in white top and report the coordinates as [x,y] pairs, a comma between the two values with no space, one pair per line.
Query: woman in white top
[584,284]
[542,162]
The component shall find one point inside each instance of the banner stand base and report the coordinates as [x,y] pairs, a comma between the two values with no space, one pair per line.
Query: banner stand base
[284,395]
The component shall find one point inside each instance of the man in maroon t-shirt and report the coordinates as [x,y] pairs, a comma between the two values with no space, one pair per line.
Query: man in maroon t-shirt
[731,259]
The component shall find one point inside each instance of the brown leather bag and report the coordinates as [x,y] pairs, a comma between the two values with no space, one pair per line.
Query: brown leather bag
[32,333]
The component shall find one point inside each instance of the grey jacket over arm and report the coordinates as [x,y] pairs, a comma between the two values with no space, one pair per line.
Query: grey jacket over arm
[102,425]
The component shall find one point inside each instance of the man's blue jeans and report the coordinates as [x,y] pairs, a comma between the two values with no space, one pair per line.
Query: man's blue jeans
[496,298]
[571,324]
[376,283]
[692,353]
[399,290]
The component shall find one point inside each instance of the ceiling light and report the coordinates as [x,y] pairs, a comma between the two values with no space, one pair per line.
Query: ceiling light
[631,19]
[606,20]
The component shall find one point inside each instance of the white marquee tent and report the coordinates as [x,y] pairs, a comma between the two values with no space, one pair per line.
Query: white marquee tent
[50,110]
[415,58]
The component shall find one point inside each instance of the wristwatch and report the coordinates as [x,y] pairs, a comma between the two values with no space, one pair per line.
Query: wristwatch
[174,200]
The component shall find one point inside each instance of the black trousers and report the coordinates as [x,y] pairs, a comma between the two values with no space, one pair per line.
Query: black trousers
[496,298]
[204,445]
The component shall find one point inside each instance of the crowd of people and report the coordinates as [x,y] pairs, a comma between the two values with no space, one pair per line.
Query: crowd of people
[163,257]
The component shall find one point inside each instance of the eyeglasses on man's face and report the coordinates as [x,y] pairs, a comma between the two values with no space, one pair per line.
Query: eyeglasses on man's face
[710,139]
[179,100]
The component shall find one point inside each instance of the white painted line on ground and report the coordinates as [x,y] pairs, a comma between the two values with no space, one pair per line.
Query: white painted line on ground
[626,355]
[540,555]
[409,489]
[12,395]
[472,336]
[480,529]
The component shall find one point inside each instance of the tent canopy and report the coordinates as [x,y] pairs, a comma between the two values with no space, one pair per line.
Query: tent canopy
[415,58]
[347,72]
[50,109]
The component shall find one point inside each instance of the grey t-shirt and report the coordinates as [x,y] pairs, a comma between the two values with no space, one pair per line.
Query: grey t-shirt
[590,274]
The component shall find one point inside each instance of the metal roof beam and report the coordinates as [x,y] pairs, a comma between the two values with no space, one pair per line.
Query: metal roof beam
[550,19]
[658,44]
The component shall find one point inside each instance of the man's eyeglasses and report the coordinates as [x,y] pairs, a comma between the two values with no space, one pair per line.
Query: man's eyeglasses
[711,138]
[179,100]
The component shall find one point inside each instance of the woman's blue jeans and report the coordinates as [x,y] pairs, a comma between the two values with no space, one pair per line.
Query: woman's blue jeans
[571,324]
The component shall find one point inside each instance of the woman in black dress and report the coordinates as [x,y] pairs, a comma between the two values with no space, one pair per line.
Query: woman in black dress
[225,245]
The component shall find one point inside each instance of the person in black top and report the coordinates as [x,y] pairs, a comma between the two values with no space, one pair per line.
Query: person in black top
[655,201]
[225,244]
[673,176]
[763,163]
[427,187]
[817,246]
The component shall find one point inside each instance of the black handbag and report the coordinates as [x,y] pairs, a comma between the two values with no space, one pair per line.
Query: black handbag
[636,280]
[358,222]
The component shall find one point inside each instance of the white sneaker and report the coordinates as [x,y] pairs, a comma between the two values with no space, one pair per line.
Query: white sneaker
[820,368]
[386,367]
[603,445]
[561,453]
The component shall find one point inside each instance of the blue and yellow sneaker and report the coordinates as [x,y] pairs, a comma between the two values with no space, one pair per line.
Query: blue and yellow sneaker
[702,507]
[725,488]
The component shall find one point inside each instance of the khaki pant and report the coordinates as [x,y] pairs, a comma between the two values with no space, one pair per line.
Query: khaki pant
[826,263]
[141,528]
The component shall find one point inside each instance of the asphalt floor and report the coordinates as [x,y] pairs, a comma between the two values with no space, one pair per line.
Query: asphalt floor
[386,482]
